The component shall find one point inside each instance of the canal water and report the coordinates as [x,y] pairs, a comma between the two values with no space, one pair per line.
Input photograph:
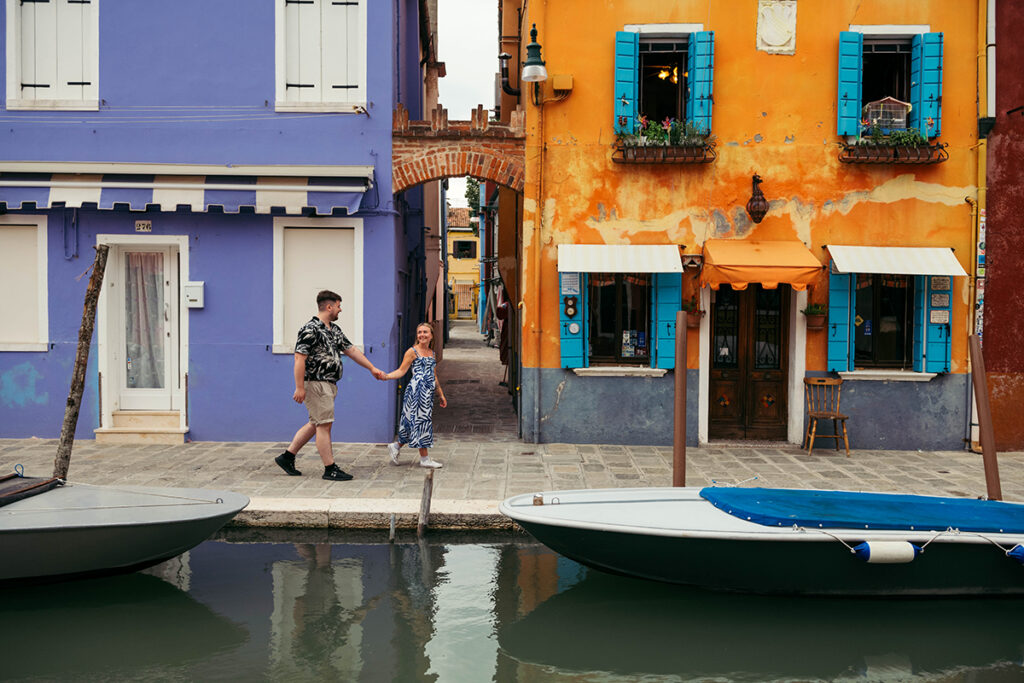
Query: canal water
[304,606]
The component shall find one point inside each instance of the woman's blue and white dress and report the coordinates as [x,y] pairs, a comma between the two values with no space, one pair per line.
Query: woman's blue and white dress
[416,428]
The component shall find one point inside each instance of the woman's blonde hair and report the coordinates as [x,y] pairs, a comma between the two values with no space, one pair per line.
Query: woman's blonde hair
[431,328]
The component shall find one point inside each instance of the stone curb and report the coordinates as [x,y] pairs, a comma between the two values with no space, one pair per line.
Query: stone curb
[327,513]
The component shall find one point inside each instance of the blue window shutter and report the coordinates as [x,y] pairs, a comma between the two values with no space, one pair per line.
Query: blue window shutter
[573,344]
[937,351]
[700,67]
[926,84]
[920,293]
[665,303]
[840,322]
[848,104]
[627,83]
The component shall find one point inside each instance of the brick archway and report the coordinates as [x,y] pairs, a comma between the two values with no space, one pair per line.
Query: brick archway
[435,149]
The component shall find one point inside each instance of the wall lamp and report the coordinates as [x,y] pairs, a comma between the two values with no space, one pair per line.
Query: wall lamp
[533,70]
[757,207]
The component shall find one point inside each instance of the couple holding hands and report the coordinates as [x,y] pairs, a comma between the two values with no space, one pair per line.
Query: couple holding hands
[318,369]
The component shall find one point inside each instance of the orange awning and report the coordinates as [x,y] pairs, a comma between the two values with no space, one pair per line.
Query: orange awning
[740,262]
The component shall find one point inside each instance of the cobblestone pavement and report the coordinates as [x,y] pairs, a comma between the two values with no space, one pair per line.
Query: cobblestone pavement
[485,462]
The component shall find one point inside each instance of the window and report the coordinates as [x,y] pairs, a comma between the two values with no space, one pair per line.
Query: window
[52,55]
[311,254]
[889,321]
[663,79]
[464,249]
[321,55]
[901,62]
[883,321]
[620,315]
[663,70]
[618,318]
[23,270]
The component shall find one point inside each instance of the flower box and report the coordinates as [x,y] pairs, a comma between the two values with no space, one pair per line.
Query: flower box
[664,154]
[872,153]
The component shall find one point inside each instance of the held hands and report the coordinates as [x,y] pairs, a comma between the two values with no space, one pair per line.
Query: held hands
[379,374]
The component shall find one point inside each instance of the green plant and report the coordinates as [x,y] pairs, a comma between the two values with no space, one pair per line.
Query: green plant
[668,132]
[691,305]
[907,138]
[815,309]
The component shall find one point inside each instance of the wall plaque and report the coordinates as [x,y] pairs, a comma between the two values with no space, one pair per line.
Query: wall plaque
[938,317]
[941,283]
[570,284]
[940,300]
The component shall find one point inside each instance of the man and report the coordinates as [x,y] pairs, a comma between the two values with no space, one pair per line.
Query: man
[317,371]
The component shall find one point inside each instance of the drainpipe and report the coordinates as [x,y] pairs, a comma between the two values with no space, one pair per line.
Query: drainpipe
[538,232]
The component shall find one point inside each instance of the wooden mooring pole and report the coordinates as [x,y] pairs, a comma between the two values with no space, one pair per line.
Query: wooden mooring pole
[62,461]
[986,432]
[679,426]
[428,491]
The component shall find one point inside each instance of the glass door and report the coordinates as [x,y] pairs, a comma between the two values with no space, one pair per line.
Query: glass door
[147,349]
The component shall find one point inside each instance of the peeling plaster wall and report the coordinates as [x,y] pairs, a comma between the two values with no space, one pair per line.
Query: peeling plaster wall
[773,115]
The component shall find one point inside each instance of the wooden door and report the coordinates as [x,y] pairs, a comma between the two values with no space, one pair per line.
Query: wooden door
[749,352]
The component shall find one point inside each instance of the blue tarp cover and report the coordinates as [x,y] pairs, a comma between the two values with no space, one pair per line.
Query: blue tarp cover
[850,510]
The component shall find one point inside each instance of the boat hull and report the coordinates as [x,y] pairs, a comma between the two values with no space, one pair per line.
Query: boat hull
[79,531]
[746,557]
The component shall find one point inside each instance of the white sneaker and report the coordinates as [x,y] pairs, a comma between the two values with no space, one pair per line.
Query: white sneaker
[393,452]
[431,463]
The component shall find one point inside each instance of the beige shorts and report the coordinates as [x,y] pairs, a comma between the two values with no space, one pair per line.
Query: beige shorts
[320,401]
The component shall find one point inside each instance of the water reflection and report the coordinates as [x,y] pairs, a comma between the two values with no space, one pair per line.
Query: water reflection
[103,627]
[628,627]
[460,608]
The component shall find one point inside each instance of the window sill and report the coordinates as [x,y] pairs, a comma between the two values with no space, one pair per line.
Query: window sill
[619,371]
[53,105]
[289,349]
[321,107]
[24,346]
[888,375]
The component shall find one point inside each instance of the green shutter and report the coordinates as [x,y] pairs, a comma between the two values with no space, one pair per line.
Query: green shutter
[627,82]
[700,65]
[848,104]
[573,344]
[666,301]
[841,311]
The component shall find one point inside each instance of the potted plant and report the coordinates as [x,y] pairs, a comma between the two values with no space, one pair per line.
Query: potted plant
[693,312]
[815,316]
[670,141]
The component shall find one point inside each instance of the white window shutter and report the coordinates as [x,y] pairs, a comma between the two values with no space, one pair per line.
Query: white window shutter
[342,51]
[39,49]
[302,51]
[72,72]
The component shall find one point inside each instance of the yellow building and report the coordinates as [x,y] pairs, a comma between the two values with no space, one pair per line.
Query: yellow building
[645,145]
[463,264]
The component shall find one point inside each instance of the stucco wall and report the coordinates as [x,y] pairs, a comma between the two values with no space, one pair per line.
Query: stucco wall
[774,115]
[238,389]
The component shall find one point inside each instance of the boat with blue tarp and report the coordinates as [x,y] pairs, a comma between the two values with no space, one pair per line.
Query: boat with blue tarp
[790,541]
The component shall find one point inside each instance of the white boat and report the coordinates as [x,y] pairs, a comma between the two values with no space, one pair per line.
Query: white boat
[71,530]
[785,540]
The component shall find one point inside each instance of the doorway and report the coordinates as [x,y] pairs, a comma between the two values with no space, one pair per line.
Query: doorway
[748,397]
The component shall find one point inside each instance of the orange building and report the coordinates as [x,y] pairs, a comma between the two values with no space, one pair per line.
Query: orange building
[647,145]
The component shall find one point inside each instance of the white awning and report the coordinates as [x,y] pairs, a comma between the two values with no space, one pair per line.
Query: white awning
[895,260]
[619,258]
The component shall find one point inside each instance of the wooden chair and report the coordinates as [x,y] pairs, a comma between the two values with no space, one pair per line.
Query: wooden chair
[823,404]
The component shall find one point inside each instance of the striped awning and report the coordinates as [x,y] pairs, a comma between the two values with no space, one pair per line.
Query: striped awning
[619,258]
[895,260]
[237,190]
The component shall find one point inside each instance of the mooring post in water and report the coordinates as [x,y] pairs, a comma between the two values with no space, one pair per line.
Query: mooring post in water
[67,433]
[391,529]
[679,427]
[428,490]
[986,432]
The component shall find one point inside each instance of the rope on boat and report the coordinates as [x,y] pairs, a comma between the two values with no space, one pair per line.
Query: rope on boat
[863,550]
[739,483]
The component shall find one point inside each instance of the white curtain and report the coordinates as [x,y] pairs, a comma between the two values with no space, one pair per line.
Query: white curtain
[144,320]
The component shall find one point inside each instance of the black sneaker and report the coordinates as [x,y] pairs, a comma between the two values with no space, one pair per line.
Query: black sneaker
[335,473]
[287,463]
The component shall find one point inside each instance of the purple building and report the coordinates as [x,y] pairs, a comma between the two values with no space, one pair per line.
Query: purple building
[236,157]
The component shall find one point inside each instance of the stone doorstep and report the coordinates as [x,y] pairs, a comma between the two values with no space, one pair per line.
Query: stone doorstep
[348,513]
